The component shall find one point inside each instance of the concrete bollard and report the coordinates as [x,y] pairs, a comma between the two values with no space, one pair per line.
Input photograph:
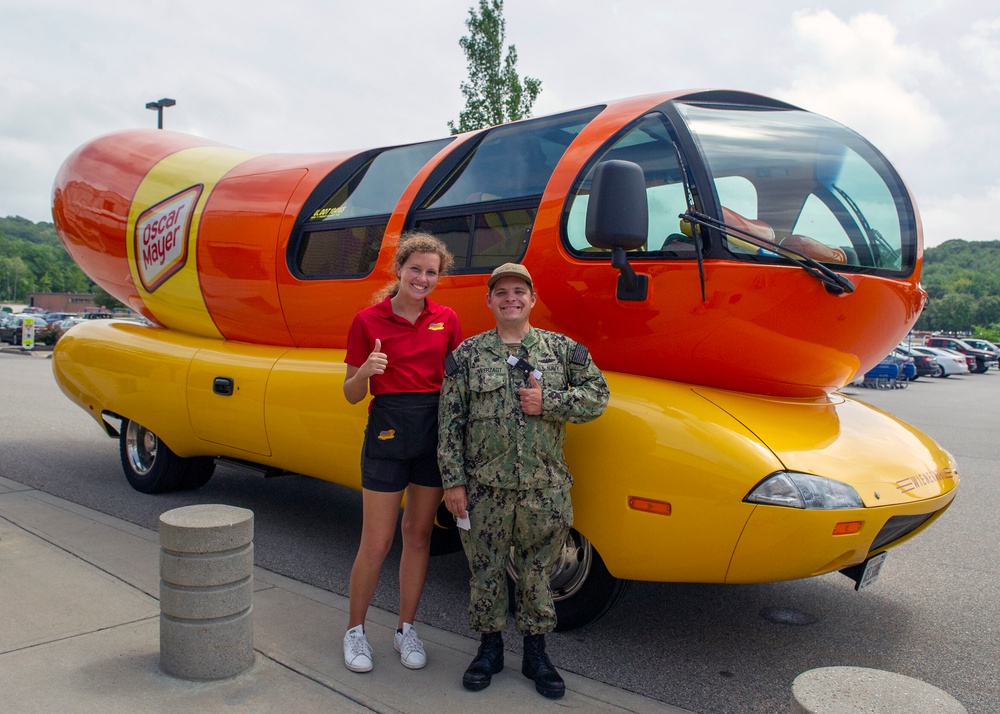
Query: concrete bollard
[854,690]
[206,591]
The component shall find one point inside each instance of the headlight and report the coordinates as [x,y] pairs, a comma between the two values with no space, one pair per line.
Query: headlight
[797,490]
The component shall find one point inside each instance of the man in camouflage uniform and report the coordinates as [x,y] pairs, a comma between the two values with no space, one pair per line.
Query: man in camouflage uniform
[501,432]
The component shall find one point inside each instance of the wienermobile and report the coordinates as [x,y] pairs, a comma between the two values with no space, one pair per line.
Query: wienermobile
[731,261]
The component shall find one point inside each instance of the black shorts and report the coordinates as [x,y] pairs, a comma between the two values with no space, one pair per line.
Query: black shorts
[401,442]
[390,475]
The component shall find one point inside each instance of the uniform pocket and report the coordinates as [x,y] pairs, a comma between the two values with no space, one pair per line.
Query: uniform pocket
[489,386]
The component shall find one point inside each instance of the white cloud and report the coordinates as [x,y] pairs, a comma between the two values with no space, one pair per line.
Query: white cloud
[959,215]
[859,73]
[982,47]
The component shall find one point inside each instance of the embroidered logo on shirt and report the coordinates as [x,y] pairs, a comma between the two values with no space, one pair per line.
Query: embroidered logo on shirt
[386,435]
[436,326]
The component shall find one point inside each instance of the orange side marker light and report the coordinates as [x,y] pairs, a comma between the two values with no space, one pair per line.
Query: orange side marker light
[848,527]
[648,505]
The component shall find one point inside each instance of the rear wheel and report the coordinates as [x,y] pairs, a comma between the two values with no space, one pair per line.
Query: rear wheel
[151,467]
[197,472]
[582,588]
[938,371]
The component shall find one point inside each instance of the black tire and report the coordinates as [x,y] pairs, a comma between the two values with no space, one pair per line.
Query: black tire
[938,371]
[582,588]
[149,464]
[197,472]
[981,366]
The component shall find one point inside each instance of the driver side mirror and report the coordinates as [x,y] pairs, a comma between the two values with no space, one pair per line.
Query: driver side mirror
[618,219]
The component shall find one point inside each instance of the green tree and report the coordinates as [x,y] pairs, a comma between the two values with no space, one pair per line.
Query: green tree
[33,259]
[953,313]
[104,299]
[988,311]
[494,93]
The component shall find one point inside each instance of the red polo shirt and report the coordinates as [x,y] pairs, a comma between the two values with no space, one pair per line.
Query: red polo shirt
[415,351]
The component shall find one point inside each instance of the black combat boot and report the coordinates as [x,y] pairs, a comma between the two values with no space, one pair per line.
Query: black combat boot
[536,666]
[488,661]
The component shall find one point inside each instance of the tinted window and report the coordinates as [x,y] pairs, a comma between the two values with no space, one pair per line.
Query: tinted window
[484,209]
[343,236]
[376,187]
[512,161]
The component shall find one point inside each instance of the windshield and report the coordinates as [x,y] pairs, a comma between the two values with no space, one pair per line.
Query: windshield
[809,182]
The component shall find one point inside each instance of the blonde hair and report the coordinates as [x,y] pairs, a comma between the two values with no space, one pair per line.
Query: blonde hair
[416,242]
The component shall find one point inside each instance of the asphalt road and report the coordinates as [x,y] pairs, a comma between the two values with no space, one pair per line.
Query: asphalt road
[932,615]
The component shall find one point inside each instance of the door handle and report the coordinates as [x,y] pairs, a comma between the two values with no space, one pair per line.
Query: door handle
[223,386]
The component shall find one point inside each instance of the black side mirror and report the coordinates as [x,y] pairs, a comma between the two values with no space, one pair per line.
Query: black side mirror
[618,219]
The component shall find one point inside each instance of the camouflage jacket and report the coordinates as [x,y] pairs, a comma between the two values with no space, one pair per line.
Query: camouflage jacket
[482,432]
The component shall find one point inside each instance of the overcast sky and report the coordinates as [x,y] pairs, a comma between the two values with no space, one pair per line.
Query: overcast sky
[918,78]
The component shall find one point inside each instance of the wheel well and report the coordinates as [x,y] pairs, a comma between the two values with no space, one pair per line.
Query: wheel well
[110,429]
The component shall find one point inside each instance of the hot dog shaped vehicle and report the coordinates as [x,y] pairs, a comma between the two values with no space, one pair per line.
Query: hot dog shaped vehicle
[730,260]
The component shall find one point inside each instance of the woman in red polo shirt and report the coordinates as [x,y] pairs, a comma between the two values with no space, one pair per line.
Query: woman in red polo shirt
[396,350]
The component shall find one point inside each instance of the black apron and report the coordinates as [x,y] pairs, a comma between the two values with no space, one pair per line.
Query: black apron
[402,426]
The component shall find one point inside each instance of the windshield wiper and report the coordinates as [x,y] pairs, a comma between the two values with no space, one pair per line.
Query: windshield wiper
[834,282]
[875,239]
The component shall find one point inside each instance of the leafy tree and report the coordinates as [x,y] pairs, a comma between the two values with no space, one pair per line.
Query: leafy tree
[103,298]
[33,259]
[494,94]
[988,310]
[953,313]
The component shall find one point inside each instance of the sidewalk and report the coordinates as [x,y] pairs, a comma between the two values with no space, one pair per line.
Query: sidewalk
[79,632]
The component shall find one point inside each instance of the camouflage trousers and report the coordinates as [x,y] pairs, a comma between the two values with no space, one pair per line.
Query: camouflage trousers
[528,527]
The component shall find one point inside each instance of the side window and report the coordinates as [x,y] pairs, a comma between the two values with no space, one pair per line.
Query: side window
[340,251]
[648,143]
[343,236]
[485,209]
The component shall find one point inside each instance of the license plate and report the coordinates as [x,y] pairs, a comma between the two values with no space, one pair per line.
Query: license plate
[869,572]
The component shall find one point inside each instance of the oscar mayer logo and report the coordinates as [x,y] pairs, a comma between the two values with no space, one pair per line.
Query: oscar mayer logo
[161,237]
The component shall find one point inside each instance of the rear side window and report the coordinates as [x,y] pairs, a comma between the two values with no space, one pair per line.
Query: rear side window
[343,236]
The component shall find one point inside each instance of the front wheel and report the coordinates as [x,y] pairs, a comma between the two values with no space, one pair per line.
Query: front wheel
[582,588]
[938,371]
[151,467]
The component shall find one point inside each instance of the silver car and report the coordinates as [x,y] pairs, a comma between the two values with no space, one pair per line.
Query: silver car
[950,362]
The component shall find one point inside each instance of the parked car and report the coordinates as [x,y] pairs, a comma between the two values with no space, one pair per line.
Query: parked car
[984,345]
[983,359]
[950,362]
[11,330]
[57,316]
[926,365]
[68,322]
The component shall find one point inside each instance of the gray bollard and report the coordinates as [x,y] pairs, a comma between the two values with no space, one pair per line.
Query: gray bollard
[856,690]
[206,591]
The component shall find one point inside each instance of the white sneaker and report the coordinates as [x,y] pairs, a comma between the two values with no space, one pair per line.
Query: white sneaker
[357,651]
[410,648]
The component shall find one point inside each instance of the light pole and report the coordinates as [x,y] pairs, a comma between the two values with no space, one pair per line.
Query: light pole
[158,106]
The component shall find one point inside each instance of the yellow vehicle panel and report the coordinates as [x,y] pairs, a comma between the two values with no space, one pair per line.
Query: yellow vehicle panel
[660,479]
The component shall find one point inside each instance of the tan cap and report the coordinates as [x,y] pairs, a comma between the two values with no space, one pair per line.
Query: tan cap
[509,270]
